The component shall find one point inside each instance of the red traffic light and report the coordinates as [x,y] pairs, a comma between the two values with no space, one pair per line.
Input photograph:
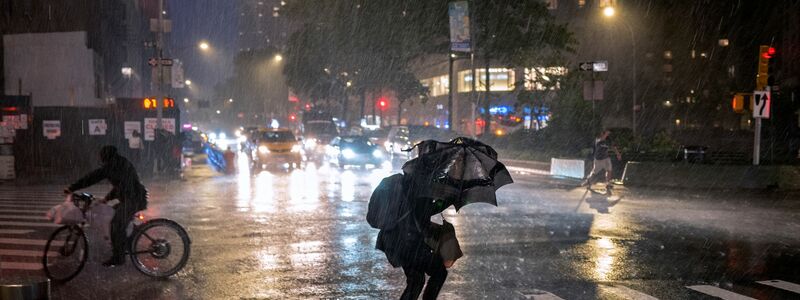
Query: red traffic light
[383,103]
[292,117]
[769,53]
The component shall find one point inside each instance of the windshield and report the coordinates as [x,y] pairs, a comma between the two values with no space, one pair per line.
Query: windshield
[277,136]
[328,128]
[357,143]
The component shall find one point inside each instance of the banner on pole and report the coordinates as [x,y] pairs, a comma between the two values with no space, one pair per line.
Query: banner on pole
[460,40]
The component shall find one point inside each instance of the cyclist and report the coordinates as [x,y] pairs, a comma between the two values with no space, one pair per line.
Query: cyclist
[126,187]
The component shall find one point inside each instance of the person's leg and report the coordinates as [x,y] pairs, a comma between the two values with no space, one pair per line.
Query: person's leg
[588,180]
[415,280]
[438,274]
[119,226]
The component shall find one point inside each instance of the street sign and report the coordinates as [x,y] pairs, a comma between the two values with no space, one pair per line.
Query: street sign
[600,66]
[593,90]
[97,127]
[586,66]
[761,104]
[166,62]
[152,61]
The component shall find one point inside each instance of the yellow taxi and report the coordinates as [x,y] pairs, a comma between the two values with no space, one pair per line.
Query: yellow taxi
[277,148]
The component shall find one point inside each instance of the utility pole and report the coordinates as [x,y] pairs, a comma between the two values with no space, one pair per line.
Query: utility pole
[159,56]
[451,89]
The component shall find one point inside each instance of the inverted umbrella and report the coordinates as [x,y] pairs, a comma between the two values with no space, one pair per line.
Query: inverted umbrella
[461,171]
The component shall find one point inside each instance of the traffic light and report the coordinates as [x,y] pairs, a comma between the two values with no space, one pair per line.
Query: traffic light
[382,103]
[765,53]
[292,117]
[738,103]
[169,103]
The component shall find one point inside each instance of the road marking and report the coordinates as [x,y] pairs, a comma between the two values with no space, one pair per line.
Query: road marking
[23,211]
[627,293]
[718,292]
[12,223]
[784,285]
[30,253]
[28,242]
[539,295]
[20,217]
[20,266]
[16,231]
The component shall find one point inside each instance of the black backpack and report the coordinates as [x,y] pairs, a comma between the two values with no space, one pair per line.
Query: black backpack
[385,204]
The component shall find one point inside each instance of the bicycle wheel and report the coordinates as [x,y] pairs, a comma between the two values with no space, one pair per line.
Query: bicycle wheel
[160,248]
[65,253]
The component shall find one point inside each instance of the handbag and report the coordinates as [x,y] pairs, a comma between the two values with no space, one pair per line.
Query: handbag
[444,242]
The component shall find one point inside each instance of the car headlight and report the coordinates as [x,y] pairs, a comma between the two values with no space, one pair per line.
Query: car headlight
[296,148]
[311,143]
[263,149]
[377,153]
[348,153]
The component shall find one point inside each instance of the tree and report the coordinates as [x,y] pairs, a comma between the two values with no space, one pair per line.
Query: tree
[515,33]
[369,44]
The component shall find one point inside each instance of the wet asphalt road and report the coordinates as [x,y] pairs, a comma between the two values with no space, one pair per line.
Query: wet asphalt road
[302,235]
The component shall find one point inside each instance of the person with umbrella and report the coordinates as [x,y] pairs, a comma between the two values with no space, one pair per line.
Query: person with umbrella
[456,173]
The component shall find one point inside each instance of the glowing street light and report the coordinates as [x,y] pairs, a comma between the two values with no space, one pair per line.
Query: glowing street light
[204,46]
[609,11]
[278,57]
[188,82]
[185,100]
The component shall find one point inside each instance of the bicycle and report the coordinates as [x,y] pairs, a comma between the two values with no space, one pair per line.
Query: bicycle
[151,243]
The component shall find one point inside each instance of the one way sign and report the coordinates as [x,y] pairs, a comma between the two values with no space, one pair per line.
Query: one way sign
[761,104]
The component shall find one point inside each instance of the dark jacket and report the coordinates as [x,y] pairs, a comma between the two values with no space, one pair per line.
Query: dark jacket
[404,245]
[122,176]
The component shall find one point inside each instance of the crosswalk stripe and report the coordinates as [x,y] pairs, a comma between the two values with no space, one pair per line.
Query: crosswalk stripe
[627,293]
[20,266]
[16,231]
[784,285]
[718,292]
[539,295]
[20,217]
[29,242]
[25,211]
[31,224]
[29,253]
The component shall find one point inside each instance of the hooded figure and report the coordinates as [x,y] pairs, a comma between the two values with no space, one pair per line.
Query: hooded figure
[126,187]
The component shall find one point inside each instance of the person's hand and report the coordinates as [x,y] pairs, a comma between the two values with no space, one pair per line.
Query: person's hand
[449,263]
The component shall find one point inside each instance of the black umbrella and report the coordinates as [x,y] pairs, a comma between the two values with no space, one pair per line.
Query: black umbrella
[461,171]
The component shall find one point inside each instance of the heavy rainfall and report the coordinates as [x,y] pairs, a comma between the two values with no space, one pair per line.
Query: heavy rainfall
[385,149]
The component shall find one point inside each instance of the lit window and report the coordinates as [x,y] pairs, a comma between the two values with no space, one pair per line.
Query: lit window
[437,86]
[581,3]
[541,78]
[724,42]
[500,79]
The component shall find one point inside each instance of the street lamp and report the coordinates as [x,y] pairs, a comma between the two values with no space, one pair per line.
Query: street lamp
[278,57]
[203,46]
[185,100]
[188,82]
[610,12]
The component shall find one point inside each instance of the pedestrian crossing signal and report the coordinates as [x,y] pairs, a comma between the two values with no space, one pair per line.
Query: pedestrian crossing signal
[152,103]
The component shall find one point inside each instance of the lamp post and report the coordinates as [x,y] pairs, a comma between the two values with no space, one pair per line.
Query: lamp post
[610,12]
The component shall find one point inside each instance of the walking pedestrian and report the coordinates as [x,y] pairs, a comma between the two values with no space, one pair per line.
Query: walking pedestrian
[135,145]
[602,161]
